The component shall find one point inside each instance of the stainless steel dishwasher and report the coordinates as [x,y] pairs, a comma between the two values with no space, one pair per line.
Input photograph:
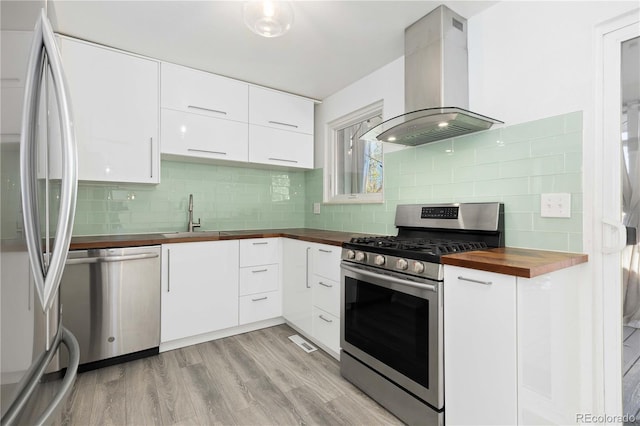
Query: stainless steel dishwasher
[111,302]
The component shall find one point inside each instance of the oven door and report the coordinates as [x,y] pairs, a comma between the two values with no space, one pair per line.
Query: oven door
[393,324]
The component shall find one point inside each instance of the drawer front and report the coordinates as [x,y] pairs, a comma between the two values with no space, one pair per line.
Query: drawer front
[326,261]
[280,147]
[261,306]
[258,279]
[326,329]
[280,110]
[326,295]
[198,92]
[259,251]
[205,137]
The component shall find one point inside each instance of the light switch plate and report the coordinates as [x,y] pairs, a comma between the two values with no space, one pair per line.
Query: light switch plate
[316,208]
[555,205]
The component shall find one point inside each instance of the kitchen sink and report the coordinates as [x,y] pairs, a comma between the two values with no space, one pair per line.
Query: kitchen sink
[186,234]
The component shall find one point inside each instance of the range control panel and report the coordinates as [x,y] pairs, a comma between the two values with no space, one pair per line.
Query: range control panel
[444,212]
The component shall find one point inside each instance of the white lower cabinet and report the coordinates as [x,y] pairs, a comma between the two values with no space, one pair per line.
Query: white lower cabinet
[260,297]
[199,288]
[480,347]
[311,293]
[513,348]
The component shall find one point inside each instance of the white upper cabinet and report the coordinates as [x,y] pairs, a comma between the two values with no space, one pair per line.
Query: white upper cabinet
[280,110]
[114,96]
[203,115]
[14,57]
[280,128]
[199,92]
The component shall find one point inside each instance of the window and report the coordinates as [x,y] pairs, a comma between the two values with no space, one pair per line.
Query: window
[354,167]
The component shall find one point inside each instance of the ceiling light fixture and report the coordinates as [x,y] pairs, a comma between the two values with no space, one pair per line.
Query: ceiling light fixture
[268,18]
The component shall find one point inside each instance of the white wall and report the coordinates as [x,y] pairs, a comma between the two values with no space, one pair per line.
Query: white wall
[385,83]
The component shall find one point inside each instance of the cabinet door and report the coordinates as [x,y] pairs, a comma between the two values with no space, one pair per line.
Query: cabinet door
[114,97]
[196,135]
[280,147]
[480,347]
[199,289]
[296,298]
[280,110]
[189,90]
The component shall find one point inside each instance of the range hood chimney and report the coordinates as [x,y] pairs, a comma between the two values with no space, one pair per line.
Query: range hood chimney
[436,84]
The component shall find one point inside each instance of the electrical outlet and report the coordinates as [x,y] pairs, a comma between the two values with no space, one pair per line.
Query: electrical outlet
[555,205]
[316,208]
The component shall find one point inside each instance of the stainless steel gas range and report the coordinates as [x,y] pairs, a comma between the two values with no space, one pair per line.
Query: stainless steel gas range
[391,304]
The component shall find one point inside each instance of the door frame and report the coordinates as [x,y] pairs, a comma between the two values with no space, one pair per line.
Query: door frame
[607,205]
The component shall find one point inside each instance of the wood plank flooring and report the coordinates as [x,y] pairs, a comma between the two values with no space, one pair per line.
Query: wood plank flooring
[257,378]
[631,371]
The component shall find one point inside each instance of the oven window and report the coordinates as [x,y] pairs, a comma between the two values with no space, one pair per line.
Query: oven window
[390,326]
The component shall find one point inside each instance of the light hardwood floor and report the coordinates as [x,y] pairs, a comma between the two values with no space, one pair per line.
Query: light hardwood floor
[257,378]
[631,372]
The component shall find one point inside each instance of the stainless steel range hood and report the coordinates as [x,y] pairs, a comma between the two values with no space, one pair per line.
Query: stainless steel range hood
[436,84]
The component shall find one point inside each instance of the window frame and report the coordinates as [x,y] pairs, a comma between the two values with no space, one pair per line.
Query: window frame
[331,160]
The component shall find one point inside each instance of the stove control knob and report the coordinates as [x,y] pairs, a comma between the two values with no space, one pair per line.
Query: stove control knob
[351,254]
[379,260]
[402,264]
[359,256]
[418,267]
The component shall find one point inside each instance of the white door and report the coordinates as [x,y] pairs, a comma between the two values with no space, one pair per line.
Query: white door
[620,209]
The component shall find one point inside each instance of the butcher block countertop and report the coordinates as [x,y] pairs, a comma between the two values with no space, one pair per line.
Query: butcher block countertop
[519,262]
[335,238]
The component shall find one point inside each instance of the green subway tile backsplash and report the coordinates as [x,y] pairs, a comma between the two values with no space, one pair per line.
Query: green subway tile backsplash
[225,198]
[513,165]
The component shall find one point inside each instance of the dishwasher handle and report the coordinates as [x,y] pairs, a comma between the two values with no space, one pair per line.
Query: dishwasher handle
[106,259]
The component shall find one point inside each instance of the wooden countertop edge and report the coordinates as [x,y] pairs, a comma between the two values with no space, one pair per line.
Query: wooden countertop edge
[309,235]
[514,265]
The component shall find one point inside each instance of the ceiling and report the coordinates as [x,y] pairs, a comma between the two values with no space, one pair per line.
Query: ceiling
[330,45]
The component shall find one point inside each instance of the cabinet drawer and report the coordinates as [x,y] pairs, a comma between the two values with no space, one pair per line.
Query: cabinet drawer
[205,137]
[326,295]
[198,92]
[258,279]
[280,147]
[259,251]
[326,329]
[326,261]
[261,306]
[280,110]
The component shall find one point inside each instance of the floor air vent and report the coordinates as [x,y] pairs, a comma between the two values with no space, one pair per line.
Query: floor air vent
[306,346]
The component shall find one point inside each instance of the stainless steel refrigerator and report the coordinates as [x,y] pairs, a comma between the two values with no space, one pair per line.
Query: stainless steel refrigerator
[37,222]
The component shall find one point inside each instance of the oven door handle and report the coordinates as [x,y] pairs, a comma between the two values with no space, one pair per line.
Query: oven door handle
[421,286]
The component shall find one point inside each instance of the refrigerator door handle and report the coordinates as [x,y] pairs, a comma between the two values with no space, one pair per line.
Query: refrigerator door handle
[34,375]
[47,275]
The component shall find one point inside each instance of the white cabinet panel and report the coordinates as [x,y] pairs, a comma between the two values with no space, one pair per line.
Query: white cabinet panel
[199,288]
[480,347]
[196,135]
[278,147]
[326,329]
[280,110]
[115,103]
[261,306]
[326,294]
[14,54]
[259,279]
[326,261]
[199,92]
[259,251]
[296,275]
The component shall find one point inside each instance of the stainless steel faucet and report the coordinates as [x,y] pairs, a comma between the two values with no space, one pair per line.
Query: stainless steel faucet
[192,224]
